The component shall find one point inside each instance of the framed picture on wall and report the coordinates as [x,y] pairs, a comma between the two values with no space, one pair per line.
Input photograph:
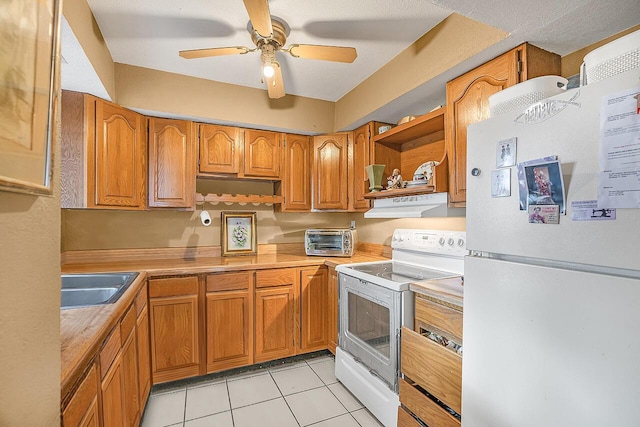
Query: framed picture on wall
[238,233]
[29,36]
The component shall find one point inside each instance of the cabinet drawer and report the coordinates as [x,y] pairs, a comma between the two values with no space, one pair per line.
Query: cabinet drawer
[110,351]
[424,408]
[173,286]
[228,281]
[141,300]
[82,400]
[443,318]
[128,323]
[435,368]
[276,277]
[405,419]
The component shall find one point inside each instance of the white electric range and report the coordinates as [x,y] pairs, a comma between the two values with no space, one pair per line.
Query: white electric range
[375,302]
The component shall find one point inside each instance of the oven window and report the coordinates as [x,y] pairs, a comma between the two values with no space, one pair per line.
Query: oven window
[369,321]
[325,241]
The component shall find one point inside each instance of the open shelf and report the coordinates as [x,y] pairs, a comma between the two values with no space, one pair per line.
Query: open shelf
[414,191]
[422,125]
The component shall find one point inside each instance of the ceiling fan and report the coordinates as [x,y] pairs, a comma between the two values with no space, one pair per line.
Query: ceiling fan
[269,34]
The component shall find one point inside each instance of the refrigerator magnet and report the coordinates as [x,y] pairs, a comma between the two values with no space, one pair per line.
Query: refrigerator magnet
[506,153]
[544,214]
[501,183]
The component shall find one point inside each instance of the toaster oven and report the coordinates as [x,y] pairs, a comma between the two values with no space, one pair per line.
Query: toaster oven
[330,242]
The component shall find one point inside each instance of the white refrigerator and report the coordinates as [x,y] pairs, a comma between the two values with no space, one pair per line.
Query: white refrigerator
[551,311]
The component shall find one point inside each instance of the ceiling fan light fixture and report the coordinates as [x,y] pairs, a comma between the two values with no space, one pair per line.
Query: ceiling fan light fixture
[267,70]
[268,58]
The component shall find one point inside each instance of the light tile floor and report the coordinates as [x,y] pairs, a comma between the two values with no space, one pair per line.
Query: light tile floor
[297,394]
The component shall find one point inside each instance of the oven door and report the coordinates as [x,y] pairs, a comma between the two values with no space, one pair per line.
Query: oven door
[370,326]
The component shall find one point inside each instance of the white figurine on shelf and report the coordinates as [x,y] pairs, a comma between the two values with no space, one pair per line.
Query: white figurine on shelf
[395,180]
[425,171]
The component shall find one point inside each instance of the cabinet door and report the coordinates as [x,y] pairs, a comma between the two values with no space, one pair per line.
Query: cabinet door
[219,149]
[359,158]
[131,393]
[333,310]
[467,103]
[296,179]
[274,323]
[174,316]
[261,153]
[313,313]
[172,163]
[329,172]
[91,418]
[82,409]
[112,396]
[229,330]
[144,367]
[120,157]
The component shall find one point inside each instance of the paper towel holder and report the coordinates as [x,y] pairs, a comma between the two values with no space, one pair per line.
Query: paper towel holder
[205,218]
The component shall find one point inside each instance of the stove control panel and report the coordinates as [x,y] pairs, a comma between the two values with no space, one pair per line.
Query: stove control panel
[430,241]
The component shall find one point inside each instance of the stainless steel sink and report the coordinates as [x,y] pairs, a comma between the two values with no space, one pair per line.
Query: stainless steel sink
[81,290]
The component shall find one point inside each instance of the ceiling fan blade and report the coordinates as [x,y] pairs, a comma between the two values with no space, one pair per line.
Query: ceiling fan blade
[324,53]
[260,16]
[275,84]
[216,51]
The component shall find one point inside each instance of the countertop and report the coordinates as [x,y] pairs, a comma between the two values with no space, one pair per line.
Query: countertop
[83,330]
[449,290]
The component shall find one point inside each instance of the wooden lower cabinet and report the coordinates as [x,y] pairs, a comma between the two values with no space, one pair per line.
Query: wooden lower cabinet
[405,419]
[131,394]
[274,323]
[313,308]
[82,409]
[112,395]
[428,366]
[332,310]
[175,328]
[229,330]
[144,363]
[423,407]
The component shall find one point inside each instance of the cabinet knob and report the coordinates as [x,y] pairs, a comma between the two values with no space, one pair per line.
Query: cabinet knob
[475,171]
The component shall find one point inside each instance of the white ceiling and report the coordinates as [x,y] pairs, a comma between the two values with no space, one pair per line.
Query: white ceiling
[149,33]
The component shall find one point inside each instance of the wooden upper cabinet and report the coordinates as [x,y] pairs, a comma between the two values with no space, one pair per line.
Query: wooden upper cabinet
[120,157]
[103,154]
[262,154]
[359,158]
[329,172]
[296,177]
[172,163]
[219,149]
[468,102]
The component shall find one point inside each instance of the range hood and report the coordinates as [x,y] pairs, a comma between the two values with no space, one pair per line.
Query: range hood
[417,206]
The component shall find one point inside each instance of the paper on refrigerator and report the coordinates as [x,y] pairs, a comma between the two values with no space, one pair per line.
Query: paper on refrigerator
[619,175]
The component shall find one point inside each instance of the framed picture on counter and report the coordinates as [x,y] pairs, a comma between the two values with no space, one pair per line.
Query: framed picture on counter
[238,233]
[29,36]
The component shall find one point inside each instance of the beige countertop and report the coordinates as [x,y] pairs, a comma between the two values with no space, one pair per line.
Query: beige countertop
[449,290]
[83,330]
